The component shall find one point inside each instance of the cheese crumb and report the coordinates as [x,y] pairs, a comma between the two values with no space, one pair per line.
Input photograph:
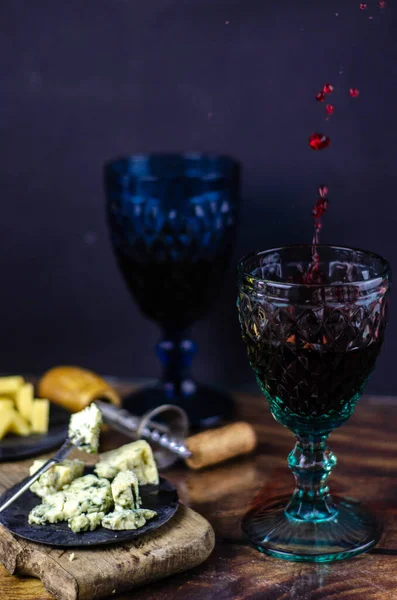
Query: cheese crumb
[71,556]
[86,425]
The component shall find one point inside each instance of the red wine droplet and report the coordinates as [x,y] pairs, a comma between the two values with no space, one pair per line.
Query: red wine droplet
[330,109]
[319,141]
[354,92]
[328,88]
[363,6]
[320,97]
[319,208]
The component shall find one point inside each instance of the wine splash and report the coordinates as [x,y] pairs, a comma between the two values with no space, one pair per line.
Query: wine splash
[319,141]
[313,273]
[320,207]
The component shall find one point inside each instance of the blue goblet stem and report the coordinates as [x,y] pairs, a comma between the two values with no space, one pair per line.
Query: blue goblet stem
[311,462]
[176,352]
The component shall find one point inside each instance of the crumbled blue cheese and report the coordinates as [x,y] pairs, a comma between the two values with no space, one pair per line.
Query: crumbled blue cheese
[87,522]
[86,424]
[125,490]
[137,456]
[86,482]
[56,477]
[46,513]
[84,495]
[124,519]
[87,494]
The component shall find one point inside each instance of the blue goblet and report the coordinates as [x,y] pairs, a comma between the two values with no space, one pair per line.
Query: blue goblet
[172,219]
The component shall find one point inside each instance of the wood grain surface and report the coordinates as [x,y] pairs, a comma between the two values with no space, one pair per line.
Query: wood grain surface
[367,470]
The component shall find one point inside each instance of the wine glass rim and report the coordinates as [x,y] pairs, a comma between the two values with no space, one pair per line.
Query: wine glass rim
[383,272]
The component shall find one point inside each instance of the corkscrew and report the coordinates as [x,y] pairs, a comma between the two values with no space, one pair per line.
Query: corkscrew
[167,435]
[165,427]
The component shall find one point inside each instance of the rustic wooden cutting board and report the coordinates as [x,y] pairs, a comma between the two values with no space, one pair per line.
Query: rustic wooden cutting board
[181,544]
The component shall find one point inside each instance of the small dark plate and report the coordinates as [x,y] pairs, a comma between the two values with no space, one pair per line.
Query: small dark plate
[162,498]
[15,447]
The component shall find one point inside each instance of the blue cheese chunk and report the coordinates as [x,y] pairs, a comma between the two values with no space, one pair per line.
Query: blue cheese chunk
[56,477]
[125,490]
[85,495]
[137,456]
[86,424]
[86,482]
[85,522]
[124,519]
[48,512]
[44,513]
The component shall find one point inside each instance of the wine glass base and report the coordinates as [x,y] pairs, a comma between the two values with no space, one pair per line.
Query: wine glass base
[351,531]
[207,407]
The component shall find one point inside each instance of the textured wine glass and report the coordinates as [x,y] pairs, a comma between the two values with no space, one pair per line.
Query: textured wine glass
[312,348]
[172,219]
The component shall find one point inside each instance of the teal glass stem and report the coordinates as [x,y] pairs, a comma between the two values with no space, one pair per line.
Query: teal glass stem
[311,462]
[312,347]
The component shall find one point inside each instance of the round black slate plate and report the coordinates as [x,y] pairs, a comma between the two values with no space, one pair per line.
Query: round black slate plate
[15,447]
[162,498]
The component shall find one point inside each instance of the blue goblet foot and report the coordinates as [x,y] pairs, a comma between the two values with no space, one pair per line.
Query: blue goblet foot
[206,407]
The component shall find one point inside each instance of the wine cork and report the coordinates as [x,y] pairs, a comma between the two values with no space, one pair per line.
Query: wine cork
[75,388]
[214,446]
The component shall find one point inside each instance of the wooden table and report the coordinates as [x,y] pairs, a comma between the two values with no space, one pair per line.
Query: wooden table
[367,451]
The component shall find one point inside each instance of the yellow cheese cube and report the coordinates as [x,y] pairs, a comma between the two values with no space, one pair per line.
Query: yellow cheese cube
[40,415]
[6,419]
[6,403]
[9,385]
[18,424]
[24,400]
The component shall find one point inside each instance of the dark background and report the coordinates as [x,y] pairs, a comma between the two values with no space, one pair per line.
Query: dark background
[83,81]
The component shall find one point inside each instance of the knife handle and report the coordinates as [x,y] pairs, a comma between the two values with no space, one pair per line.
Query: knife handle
[75,388]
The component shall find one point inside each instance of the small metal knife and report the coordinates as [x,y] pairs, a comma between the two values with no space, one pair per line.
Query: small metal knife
[62,453]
